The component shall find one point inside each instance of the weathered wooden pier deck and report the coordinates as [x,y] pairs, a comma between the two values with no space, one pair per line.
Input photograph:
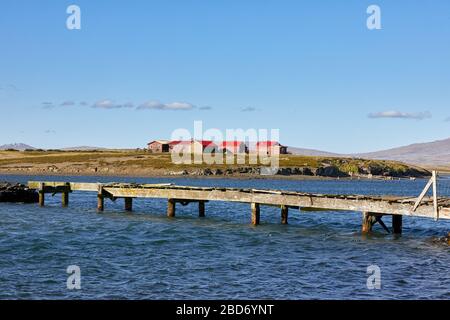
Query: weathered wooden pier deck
[373,208]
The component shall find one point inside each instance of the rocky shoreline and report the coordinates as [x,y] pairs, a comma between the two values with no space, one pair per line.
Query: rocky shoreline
[16,192]
[323,171]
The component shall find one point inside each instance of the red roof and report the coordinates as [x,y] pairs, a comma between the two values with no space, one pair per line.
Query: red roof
[174,142]
[204,143]
[225,144]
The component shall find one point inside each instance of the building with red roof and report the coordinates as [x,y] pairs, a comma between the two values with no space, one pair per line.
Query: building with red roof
[182,146]
[208,146]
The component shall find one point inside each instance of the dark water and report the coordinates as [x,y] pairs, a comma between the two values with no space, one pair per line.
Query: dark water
[145,255]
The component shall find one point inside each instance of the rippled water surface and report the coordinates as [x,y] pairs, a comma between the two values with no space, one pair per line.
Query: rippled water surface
[145,255]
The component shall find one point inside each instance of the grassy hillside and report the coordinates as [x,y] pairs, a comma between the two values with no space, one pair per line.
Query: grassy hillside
[141,162]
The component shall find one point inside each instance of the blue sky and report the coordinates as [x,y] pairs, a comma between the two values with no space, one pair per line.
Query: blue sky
[137,70]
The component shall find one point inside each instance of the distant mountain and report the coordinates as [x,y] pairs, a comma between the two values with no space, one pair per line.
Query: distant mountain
[82,148]
[17,146]
[435,153]
[311,152]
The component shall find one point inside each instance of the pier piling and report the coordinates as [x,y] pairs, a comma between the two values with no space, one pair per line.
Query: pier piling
[128,204]
[41,192]
[368,222]
[397,224]
[65,195]
[284,214]
[100,199]
[65,199]
[255,213]
[171,208]
[201,209]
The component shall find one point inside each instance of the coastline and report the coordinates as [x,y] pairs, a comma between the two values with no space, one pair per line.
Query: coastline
[200,177]
[151,165]
[162,176]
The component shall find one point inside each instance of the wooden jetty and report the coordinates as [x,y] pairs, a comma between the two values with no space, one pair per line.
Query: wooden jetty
[373,208]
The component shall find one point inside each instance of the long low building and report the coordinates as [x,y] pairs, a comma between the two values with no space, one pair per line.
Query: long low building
[201,146]
[182,146]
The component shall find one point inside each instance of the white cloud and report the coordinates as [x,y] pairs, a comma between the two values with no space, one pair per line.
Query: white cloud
[248,109]
[205,108]
[156,105]
[109,104]
[401,115]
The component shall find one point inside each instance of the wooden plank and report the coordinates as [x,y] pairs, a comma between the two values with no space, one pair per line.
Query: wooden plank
[422,195]
[368,205]
[380,221]
[78,186]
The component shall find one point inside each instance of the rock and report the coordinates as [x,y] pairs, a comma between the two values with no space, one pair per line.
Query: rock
[308,171]
[207,172]
[330,171]
[285,171]
[17,193]
[178,173]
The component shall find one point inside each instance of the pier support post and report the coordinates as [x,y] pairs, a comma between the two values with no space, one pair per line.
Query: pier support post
[65,198]
[100,199]
[284,214]
[397,224]
[41,194]
[368,222]
[171,208]
[255,213]
[128,204]
[65,195]
[201,209]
